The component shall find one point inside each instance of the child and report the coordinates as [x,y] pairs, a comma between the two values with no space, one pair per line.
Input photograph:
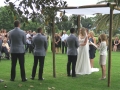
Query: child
[103,55]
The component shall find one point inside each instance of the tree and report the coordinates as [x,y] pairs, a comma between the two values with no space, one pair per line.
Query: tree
[102,21]
[6,18]
[87,22]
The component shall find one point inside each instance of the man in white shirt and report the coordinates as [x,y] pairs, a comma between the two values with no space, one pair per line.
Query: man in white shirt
[28,35]
[28,42]
[63,39]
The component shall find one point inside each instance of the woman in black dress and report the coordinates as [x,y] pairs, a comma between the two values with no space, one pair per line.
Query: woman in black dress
[116,43]
[57,39]
[92,48]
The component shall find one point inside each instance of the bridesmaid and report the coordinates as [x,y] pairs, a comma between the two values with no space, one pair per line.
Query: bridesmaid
[92,48]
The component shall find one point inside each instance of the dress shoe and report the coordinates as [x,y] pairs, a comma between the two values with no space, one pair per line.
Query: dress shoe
[41,79]
[73,76]
[23,80]
[69,75]
[32,78]
[11,79]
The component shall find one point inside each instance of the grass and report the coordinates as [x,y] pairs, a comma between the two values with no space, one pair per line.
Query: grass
[61,82]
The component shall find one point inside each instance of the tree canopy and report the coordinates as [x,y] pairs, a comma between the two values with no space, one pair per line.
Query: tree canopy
[6,18]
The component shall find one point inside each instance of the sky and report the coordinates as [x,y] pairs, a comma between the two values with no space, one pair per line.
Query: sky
[69,2]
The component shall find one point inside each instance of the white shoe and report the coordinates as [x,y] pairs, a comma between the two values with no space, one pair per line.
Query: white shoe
[1,80]
[103,78]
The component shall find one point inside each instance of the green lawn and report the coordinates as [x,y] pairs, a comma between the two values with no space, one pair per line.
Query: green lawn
[61,82]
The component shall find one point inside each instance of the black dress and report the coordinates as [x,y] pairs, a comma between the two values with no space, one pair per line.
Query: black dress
[56,40]
[92,49]
[59,43]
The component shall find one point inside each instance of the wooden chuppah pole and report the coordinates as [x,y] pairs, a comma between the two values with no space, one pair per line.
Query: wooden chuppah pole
[110,47]
[53,46]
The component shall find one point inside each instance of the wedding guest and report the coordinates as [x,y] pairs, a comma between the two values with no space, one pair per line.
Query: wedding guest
[5,48]
[40,43]
[92,49]
[72,45]
[34,33]
[103,54]
[63,39]
[28,42]
[57,40]
[2,32]
[5,32]
[116,43]
[17,41]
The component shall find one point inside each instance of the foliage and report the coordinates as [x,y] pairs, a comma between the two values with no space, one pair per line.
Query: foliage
[109,1]
[102,21]
[31,26]
[6,18]
[30,9]
[87,22]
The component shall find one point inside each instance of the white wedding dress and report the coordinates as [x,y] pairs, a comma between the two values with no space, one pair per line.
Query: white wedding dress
[83,62]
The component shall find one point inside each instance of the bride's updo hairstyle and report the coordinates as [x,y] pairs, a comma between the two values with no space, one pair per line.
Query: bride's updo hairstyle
[82,31]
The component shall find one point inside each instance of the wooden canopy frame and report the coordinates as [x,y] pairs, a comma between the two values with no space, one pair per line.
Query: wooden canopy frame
[112,7]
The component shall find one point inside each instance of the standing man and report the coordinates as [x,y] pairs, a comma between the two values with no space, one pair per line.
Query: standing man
[72,44]
[40,43]
[17,42]
[63,39]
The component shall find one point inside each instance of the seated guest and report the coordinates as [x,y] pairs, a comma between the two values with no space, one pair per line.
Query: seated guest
[5,48]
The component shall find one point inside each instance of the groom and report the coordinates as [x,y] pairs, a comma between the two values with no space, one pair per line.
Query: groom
[72,45]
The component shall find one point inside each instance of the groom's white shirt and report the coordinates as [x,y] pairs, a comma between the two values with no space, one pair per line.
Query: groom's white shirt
[72,44]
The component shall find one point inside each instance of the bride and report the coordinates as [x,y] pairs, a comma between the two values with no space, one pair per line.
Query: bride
[83,61]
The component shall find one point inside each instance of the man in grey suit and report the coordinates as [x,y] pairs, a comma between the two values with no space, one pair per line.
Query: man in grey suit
[17,42]
[40,43]
[72,45]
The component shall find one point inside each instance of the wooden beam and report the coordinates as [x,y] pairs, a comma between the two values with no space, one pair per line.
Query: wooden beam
[88,6]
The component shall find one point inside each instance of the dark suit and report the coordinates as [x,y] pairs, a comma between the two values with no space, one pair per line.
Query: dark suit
[72,44]
[40,43]
[17,42]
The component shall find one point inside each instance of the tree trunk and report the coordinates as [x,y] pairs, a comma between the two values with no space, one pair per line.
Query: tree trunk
[53,46]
